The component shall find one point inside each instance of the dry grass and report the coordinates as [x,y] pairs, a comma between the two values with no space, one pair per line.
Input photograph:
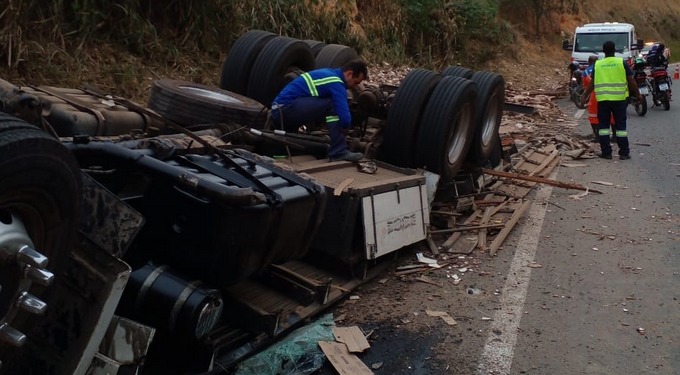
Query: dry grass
[41,53]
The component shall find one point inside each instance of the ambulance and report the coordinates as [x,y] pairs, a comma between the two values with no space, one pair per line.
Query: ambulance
[588,40]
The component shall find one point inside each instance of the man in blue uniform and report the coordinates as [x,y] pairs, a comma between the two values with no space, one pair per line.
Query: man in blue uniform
[317,96]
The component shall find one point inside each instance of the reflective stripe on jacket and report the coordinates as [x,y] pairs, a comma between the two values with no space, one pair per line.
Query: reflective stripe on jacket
[610,80]
[322,83]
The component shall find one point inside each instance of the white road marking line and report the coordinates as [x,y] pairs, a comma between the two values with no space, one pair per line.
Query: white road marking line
[499,349]
[579,113]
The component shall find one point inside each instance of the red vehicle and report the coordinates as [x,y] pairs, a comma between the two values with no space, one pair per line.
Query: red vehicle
[640,76]
[660,86]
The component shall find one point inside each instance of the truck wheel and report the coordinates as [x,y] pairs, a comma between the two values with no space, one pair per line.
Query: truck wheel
[335,56]
[458,71]
[280,58]
[240,59]
[315,45]
[188,103]
[496,156]
[491,95]
[403,118]
[39,208]
[447,127]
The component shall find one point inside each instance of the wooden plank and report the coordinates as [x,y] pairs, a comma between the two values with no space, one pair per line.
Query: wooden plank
[541,180]
[389,181]
[352,337]
[465,229]
[454,237]
[344,362]
[338,190]
[481,236]
[432,245]
[548,170]
[545,162]
[328,165]
[508,228]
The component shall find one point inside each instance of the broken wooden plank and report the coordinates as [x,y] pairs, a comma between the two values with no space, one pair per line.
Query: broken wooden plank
[432,245]
[353,337]
[549,168]
[445,213]
[541,180]
[344,362]
[442,314]
[545,162]
[338,190]
[427,280]
[481,235]
[411,266]
[508,228]
[415,270]
[454,237]
[465,229]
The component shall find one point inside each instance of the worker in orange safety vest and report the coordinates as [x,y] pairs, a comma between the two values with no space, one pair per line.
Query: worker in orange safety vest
[592,101]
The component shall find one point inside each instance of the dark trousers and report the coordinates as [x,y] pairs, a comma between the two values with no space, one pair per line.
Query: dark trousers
[309,110]
[605,109]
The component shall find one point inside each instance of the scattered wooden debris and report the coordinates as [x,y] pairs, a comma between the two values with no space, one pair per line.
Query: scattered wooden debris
[444,315]
[427,280]
[542,180]
[579,195]
[573,165]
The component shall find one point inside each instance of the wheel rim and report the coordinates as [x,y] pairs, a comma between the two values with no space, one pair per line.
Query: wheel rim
[21,265]
[458,141]
[210,94]
[489,126]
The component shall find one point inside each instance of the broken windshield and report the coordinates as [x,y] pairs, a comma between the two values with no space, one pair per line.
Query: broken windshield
[592,42]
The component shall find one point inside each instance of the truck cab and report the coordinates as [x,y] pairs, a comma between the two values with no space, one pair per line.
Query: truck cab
[588,40]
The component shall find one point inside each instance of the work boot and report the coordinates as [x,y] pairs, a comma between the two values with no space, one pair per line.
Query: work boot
[604,156]
[347,156]
[624,157]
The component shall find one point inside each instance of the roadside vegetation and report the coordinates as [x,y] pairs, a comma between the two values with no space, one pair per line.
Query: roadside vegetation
[122,45]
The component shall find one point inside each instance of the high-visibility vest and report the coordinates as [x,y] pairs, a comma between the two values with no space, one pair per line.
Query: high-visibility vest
[610,80]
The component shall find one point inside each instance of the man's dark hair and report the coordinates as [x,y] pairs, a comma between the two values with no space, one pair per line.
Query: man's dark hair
[356,66]
[609,48]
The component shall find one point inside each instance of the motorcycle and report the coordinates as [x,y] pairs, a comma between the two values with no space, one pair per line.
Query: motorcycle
[640,76]
[660,86]
[576,88]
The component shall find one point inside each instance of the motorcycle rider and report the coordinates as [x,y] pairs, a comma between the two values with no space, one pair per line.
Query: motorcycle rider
[658,58]
[612,82]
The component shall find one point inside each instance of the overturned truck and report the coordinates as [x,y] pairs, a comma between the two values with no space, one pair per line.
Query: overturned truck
[182,236]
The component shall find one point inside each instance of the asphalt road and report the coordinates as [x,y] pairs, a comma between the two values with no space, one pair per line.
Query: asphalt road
[606,299]
[601,295]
